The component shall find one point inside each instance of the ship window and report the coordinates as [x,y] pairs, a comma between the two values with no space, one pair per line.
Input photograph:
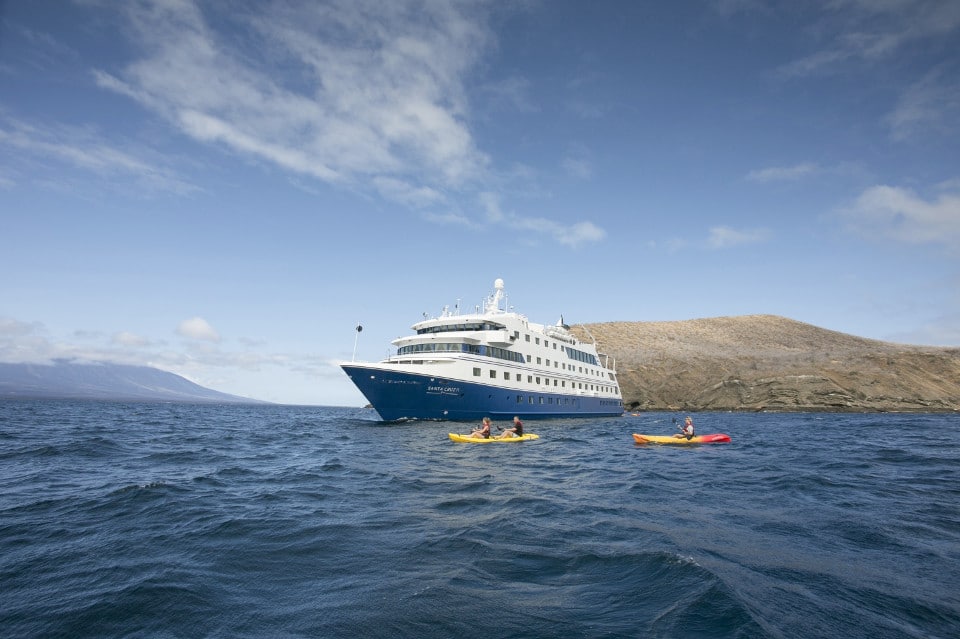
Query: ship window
[529,379]
[448,328]
[539,361]
[530,399]
[528,359]
[527,337]
[546,344]
[538,380]
[554,382]
[493,373]
[537,341]
[541,399]
[476,372]
[519,399]
[548,362]
[506,375]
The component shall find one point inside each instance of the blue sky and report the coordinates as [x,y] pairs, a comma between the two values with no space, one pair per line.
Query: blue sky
[225,189]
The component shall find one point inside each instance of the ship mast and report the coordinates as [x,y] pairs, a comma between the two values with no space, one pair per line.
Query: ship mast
[493,302]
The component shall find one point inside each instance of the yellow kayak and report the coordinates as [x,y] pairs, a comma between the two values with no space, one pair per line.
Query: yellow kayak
[467,439]
[714,438]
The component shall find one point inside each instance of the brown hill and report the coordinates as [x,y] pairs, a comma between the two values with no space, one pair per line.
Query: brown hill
[765,362]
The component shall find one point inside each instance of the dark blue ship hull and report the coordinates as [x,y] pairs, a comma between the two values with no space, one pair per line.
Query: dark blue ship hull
[399,395]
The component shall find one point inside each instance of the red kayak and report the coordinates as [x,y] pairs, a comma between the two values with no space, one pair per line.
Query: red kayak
[715,438]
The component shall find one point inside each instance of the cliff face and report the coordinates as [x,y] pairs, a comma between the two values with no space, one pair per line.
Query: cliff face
[765,362]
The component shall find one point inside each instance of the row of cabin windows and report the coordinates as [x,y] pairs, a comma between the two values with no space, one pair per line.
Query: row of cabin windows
[580,356]
[439,347]
[560,401]
[544,400]
[536,379]
[455,328]
[566,367]
[572,353]
[492,351]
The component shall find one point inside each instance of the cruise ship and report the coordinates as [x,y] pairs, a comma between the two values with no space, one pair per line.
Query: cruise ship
[492,363]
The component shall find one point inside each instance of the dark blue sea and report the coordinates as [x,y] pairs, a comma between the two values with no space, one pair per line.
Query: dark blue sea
[172,520]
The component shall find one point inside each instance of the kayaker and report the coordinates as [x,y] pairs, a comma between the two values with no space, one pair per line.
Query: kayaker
[484,431]
[516,431]
[687,429]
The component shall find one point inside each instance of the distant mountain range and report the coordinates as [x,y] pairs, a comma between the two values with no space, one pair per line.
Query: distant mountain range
[104,381]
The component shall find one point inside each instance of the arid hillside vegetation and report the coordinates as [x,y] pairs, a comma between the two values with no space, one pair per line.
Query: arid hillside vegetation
[766,362]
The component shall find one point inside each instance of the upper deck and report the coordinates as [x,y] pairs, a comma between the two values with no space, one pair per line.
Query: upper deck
[504,335]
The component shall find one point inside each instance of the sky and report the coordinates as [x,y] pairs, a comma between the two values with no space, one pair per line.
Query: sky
[225,190]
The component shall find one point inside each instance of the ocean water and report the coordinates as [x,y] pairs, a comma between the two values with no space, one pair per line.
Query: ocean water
[169,520]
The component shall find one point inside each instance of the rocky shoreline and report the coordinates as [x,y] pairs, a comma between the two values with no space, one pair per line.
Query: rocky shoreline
[772,363]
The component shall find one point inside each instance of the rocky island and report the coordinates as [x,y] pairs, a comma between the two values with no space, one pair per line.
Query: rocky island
[767,362]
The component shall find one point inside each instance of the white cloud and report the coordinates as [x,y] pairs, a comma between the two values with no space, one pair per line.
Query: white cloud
[491,205]
[675,244]
[212,129]
[371,95]
[782,173]
[126,338]
[572,235]
[88,150]
[199,329]
[408,194]
[853,35]
[448,218]
[370,88]
[722,237]
[902,215]
[871,31]
[579,233]
[23,342]
[931,103]
[12,327]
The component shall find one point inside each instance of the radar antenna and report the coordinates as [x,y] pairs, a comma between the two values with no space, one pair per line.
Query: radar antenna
[493,302]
